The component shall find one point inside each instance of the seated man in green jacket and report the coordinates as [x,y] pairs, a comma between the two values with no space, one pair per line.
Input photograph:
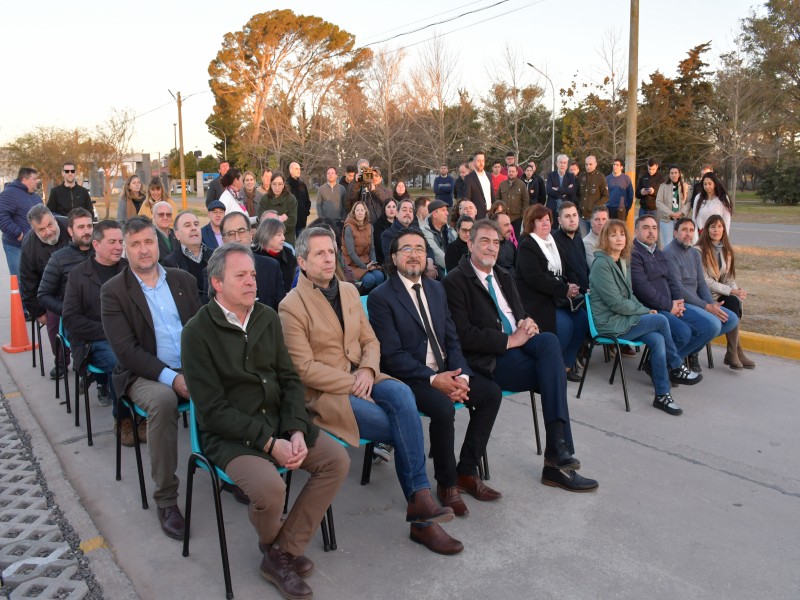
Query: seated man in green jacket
[251,413]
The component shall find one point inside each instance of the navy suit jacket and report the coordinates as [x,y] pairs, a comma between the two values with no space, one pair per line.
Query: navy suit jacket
[557,193]
[209,239]
[474,191]
[269,281]
[399,328]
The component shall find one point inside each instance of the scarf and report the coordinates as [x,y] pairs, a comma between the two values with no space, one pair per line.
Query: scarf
[550,251]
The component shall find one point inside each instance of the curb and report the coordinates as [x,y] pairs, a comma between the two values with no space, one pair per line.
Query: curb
[766,344]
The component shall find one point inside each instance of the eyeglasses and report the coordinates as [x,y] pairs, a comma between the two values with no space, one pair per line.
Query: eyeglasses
[169,214]
[465,229]
[69,170]
[409,250]
[236,233]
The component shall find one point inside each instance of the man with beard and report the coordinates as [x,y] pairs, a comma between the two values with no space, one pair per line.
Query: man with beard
[570,243]
[54,278]
[191,255]
[592,191]
[504,345]
[48,234]
[404,219]
[535,184]
[507,254]
[82,317]
[478,186]
[419,346]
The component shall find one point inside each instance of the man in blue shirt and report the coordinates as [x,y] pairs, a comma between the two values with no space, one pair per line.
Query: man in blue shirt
[144,309]
[620,191]
[443,186]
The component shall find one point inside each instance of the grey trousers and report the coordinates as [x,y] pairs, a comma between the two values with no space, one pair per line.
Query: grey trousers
[327,463]
[161,403]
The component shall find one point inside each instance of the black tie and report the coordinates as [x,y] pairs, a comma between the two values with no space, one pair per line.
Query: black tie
[437,353]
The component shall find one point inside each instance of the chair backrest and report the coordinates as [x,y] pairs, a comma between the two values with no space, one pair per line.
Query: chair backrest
[62,333]
[194,434]
[592,328]
[364,304]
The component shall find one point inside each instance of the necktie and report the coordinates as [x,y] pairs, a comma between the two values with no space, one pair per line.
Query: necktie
[503,319]
[437,353]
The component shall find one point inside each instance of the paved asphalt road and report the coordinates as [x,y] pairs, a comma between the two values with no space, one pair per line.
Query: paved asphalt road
[766,235]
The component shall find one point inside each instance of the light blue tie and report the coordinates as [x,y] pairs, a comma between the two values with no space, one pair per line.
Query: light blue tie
[503,319]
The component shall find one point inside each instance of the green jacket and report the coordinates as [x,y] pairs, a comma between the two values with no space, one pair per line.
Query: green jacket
[614,307]
[243,385]
[285,204]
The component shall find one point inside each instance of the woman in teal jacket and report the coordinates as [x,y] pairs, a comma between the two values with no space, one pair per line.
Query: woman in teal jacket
[617,312]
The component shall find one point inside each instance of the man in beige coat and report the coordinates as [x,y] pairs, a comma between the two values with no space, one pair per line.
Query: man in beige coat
[337,356]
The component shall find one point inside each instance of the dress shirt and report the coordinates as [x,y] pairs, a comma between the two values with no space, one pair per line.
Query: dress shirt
[233,319]
[430,359]
[486,186]
[501,299]
[167,325]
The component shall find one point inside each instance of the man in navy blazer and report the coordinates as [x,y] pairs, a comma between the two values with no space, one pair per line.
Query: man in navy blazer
[212,234]
[419,346]
[478,186]
[561,185]
[502,343]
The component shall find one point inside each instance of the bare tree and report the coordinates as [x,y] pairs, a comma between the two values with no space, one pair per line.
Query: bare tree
[46,149]
[108,148]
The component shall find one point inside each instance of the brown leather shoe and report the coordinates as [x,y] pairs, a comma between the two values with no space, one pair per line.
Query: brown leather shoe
[473,485]
[303,565]
[451,497]
[126,432]
[142,431]
[278,567]
[171,521]
[435,539]
[422,509]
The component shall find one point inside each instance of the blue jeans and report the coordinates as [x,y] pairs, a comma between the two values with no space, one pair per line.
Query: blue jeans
[102,357]
[718,327]
[692,331]
[571,329]
[372,279]
[654,331]
[393,419]
[13,254]
[537,366]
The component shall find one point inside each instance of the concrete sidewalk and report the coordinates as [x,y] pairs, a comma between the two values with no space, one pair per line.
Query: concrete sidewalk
[705,505]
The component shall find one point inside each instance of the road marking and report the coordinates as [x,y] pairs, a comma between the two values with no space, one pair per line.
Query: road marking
[13,394]
[92,544]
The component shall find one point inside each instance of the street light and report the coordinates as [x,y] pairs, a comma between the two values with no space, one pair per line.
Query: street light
[553,116]
[224,141]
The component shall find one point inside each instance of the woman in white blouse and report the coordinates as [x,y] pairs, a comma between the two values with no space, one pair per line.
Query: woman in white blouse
[231,184]
[712,200]
[672,202]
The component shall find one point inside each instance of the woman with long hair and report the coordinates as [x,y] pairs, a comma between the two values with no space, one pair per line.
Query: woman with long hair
[712,200]
[249,196]
[672,202]
[231,183]
[281,200]
[720,275]
[358,248]
[384,222]
[131,199]
[155,193]
[269,239]
[547,295]
[400,192]
[617,312]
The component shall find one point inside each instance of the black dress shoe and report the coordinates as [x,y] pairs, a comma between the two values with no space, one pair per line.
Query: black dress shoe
[567,480]
[559,457]
[57,372]
[171,521]
[574,374]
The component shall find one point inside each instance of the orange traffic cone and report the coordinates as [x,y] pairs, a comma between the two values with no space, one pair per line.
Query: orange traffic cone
[19,332]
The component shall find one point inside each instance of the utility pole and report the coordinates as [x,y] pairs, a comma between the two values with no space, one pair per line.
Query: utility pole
[553,120]
[180,137]
[633,88]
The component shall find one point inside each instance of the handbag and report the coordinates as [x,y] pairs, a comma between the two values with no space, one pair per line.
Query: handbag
[571,304]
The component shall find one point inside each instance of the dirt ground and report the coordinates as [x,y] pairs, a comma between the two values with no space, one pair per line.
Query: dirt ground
[771,278]
[756,211]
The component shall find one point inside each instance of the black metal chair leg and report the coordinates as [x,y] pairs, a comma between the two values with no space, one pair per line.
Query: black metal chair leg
[366,468]
[710,356]
[187,511]
[58,355]
[88,413]
[580,387]
[536,422]
[624,386]
[223,544]
[117,427]
[288,479]
[137,449]
[483,467]
[331,528]
[77,397]
[41,352]
[617,363]
[33,340]
[326,540]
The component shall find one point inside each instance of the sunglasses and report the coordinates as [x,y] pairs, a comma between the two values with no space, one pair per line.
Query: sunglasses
[69,170]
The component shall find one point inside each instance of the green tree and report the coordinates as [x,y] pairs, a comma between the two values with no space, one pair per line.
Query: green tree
[208,164]
[189,165]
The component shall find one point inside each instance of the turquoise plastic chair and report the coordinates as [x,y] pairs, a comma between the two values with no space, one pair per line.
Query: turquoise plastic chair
[198,459]
[602,340]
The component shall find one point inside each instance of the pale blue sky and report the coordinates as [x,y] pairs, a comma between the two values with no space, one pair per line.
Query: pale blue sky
[68,63]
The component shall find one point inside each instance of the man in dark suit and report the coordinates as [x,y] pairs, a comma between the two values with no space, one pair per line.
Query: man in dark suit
[190,255]
[420,347]
[561,184]
[503,344]
[144,309]
[210,232]
[478,186]
[270,285]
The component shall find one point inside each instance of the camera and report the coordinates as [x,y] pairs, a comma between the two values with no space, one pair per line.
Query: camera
[365,176]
